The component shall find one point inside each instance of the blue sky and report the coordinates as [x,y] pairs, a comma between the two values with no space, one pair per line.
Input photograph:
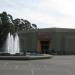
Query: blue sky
[44,13]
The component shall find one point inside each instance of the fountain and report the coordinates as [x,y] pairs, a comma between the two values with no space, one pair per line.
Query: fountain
[12,48]
[12,44]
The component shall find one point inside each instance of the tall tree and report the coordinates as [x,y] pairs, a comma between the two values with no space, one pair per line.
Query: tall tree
[34,26]
[7,24]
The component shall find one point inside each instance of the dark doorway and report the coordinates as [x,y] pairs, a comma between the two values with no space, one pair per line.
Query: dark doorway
[44,46]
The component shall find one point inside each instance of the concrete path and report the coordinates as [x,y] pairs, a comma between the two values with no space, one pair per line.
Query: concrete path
[58,65]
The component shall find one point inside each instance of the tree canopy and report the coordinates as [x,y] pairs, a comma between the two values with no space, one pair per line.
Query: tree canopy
[7,24]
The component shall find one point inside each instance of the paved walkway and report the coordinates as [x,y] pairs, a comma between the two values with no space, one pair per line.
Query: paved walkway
[58,65]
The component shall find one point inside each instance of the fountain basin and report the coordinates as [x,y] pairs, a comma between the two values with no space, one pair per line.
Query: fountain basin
[27,57]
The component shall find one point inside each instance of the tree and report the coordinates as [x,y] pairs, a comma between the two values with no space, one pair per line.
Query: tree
[7,24]
[21,25]
[34,26]
[5,27]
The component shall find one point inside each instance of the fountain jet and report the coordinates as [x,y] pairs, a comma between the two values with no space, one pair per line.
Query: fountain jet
[12,44]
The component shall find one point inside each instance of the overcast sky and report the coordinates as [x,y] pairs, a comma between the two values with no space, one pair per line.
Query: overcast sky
[44,13]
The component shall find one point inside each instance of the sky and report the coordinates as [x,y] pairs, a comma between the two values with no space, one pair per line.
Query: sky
[43,13]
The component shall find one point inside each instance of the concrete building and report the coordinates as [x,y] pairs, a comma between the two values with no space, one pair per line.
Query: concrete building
[59,40]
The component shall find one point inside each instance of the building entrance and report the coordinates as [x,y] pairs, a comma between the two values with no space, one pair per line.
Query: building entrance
[44,46]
